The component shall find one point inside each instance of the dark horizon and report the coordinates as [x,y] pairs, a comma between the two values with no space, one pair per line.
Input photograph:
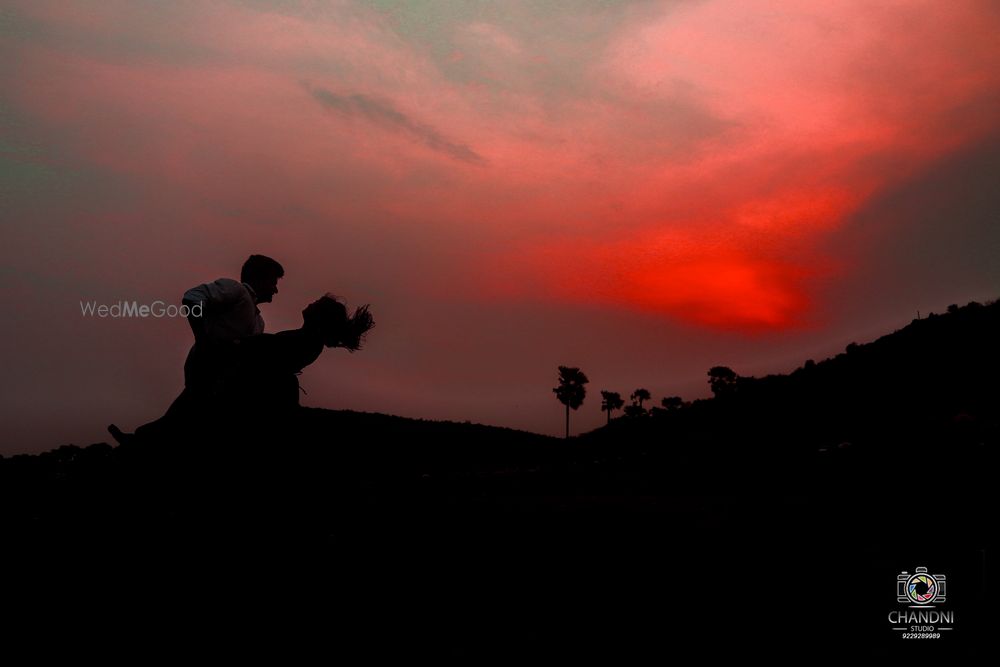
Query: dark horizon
[652,406]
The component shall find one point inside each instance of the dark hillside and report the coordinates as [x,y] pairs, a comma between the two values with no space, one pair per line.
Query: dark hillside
[650,533]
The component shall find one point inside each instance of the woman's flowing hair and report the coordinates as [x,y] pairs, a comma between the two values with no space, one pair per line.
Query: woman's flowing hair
[330,313]
[358,326]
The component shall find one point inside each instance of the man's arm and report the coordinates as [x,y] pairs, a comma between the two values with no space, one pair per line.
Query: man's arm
[215,298]
[197,322]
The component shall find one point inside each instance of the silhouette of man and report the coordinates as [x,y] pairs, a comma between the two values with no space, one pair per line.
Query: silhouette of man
[228,313]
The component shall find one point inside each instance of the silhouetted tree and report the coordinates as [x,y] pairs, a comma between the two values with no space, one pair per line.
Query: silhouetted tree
[634,410]
[611,400]
[640,395]
[571,390]
[722,379]
[672,402]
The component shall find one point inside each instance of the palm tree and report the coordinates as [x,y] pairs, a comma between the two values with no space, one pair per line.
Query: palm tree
[571,391]
[612,400]
[640,395]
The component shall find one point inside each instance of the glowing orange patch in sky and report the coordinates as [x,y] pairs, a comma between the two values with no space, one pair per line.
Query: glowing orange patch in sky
[820,109]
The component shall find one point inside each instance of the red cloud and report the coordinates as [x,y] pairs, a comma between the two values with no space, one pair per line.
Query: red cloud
[820,108]
[693,168]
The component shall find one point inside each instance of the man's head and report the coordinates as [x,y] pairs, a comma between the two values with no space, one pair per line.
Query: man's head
[262,274]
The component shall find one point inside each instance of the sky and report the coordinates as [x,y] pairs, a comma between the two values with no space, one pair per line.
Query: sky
[639,189]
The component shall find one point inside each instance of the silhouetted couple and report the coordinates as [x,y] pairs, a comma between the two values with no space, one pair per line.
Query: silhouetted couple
[234,370]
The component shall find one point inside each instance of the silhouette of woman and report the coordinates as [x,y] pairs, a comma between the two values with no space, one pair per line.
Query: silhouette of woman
[258,374]
[261,375]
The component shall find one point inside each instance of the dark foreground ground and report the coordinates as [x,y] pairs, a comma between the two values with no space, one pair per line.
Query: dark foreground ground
[770,521]
[404,549]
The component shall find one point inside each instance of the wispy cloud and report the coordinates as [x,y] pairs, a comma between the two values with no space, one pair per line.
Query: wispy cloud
[384,114]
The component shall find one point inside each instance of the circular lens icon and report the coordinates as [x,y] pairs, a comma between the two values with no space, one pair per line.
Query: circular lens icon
[921,588]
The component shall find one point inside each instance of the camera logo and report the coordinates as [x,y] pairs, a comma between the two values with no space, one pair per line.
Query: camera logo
[920,588]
